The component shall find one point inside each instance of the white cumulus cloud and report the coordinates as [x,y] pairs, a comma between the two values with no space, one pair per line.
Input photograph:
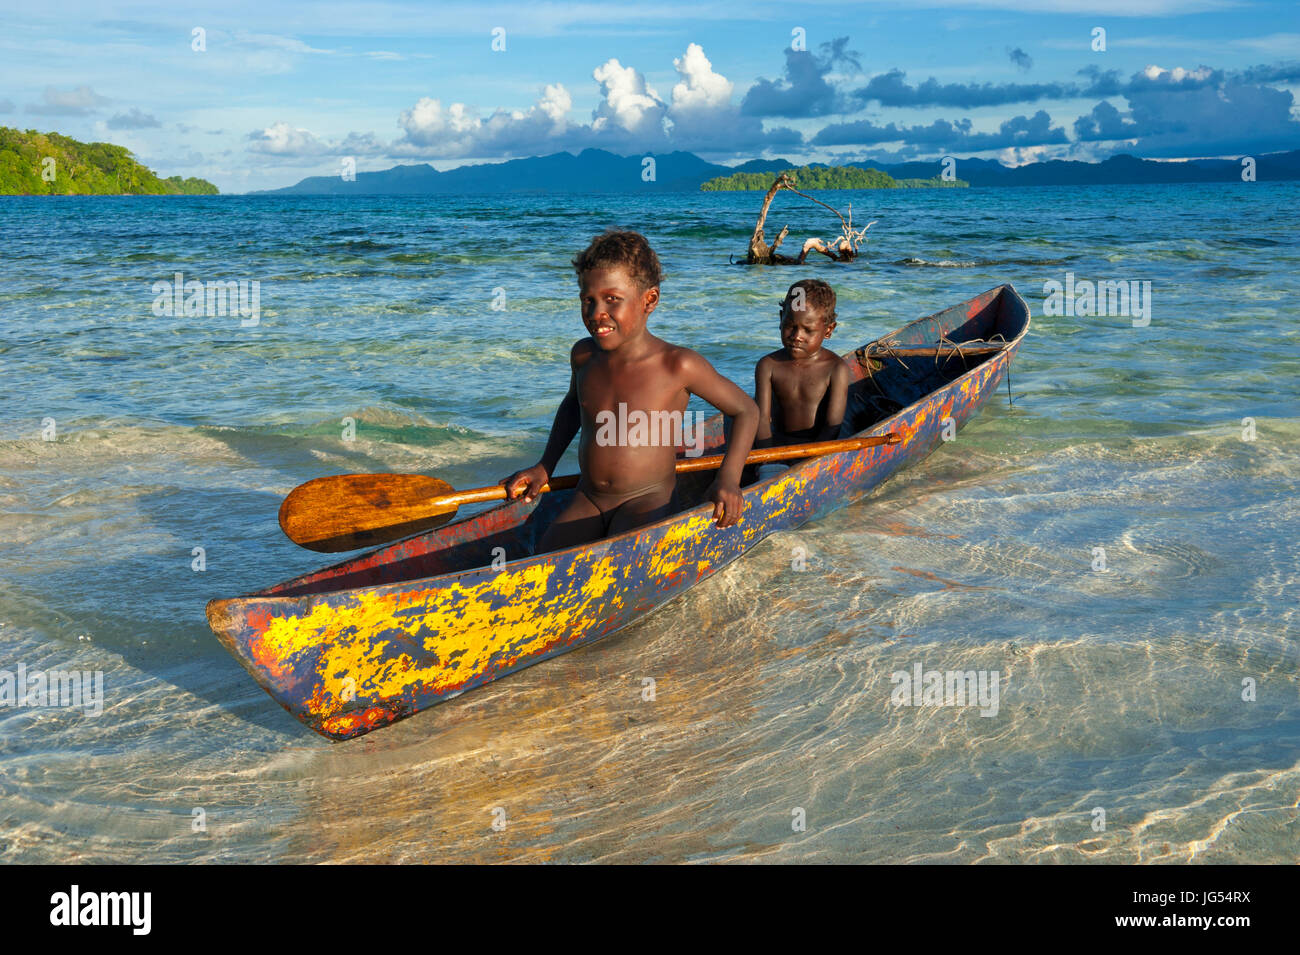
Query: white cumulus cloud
[286,141]
[629,116]
[457,130]
[629,103]
[281,139]
[1178,74]
[700,89]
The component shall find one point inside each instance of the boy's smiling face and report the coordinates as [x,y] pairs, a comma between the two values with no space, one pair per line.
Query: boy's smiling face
[614,308]
[803,331]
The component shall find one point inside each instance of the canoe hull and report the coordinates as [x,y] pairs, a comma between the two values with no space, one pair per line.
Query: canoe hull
[367,642]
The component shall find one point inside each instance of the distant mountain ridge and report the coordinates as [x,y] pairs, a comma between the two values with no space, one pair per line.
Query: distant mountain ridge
[595,170]
[592,170]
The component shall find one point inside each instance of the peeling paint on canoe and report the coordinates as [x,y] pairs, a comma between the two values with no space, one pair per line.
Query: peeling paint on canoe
[355,646]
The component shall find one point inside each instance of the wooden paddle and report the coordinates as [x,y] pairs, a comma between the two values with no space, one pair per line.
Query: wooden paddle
[346,511]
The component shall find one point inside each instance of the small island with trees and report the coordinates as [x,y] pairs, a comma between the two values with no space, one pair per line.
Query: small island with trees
[817,176]
[49,164]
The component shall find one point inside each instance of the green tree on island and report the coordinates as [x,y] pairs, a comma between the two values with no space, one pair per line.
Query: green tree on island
[825,177]
[80,169]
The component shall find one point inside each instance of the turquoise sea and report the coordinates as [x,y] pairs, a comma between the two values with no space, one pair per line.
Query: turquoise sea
[1161,690]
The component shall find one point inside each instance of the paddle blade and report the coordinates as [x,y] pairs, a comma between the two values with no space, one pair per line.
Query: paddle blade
[347,511]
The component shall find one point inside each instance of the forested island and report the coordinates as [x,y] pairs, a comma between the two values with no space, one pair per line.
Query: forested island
[49,164]
[817,176]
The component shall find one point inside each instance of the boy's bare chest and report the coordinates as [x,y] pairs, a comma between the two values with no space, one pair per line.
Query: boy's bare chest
[646,386]
[799,385]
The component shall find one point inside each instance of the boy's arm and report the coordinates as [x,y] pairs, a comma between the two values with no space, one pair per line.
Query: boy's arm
[568,421]
[839,399]
[701,378]
[763,398]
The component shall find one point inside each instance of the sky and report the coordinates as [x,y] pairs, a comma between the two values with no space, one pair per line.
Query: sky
[258,95]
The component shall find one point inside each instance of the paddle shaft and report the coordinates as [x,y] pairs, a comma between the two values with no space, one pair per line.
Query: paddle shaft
[347,511]
[684,465]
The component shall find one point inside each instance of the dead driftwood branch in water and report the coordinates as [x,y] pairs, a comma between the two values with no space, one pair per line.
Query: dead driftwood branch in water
[844,248]
[759,250]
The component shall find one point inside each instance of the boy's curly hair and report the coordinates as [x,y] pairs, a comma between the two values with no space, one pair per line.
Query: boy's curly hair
[818,297]
[630,250]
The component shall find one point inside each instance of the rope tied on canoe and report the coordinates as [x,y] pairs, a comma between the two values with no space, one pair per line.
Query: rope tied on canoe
[891,383]
[885,348]
[882,350]
[959,348]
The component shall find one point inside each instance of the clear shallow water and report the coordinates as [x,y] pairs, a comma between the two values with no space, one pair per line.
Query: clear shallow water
[1120,690]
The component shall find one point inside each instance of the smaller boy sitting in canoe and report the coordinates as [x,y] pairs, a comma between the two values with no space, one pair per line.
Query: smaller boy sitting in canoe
[802,388]
[632,481]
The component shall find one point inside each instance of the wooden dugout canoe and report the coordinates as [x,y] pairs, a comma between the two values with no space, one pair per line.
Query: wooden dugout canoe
[378,637]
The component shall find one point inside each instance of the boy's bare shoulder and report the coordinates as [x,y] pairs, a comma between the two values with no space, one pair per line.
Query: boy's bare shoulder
[839,368]
[770,359]
[682,360]
[581,352]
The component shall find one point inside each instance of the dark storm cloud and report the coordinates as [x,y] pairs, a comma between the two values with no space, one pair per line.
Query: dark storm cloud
[803,90]
[892,89]
[1036,130]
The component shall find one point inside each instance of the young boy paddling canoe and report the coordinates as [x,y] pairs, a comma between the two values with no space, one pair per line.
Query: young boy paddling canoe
[628,475]
[801,388]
